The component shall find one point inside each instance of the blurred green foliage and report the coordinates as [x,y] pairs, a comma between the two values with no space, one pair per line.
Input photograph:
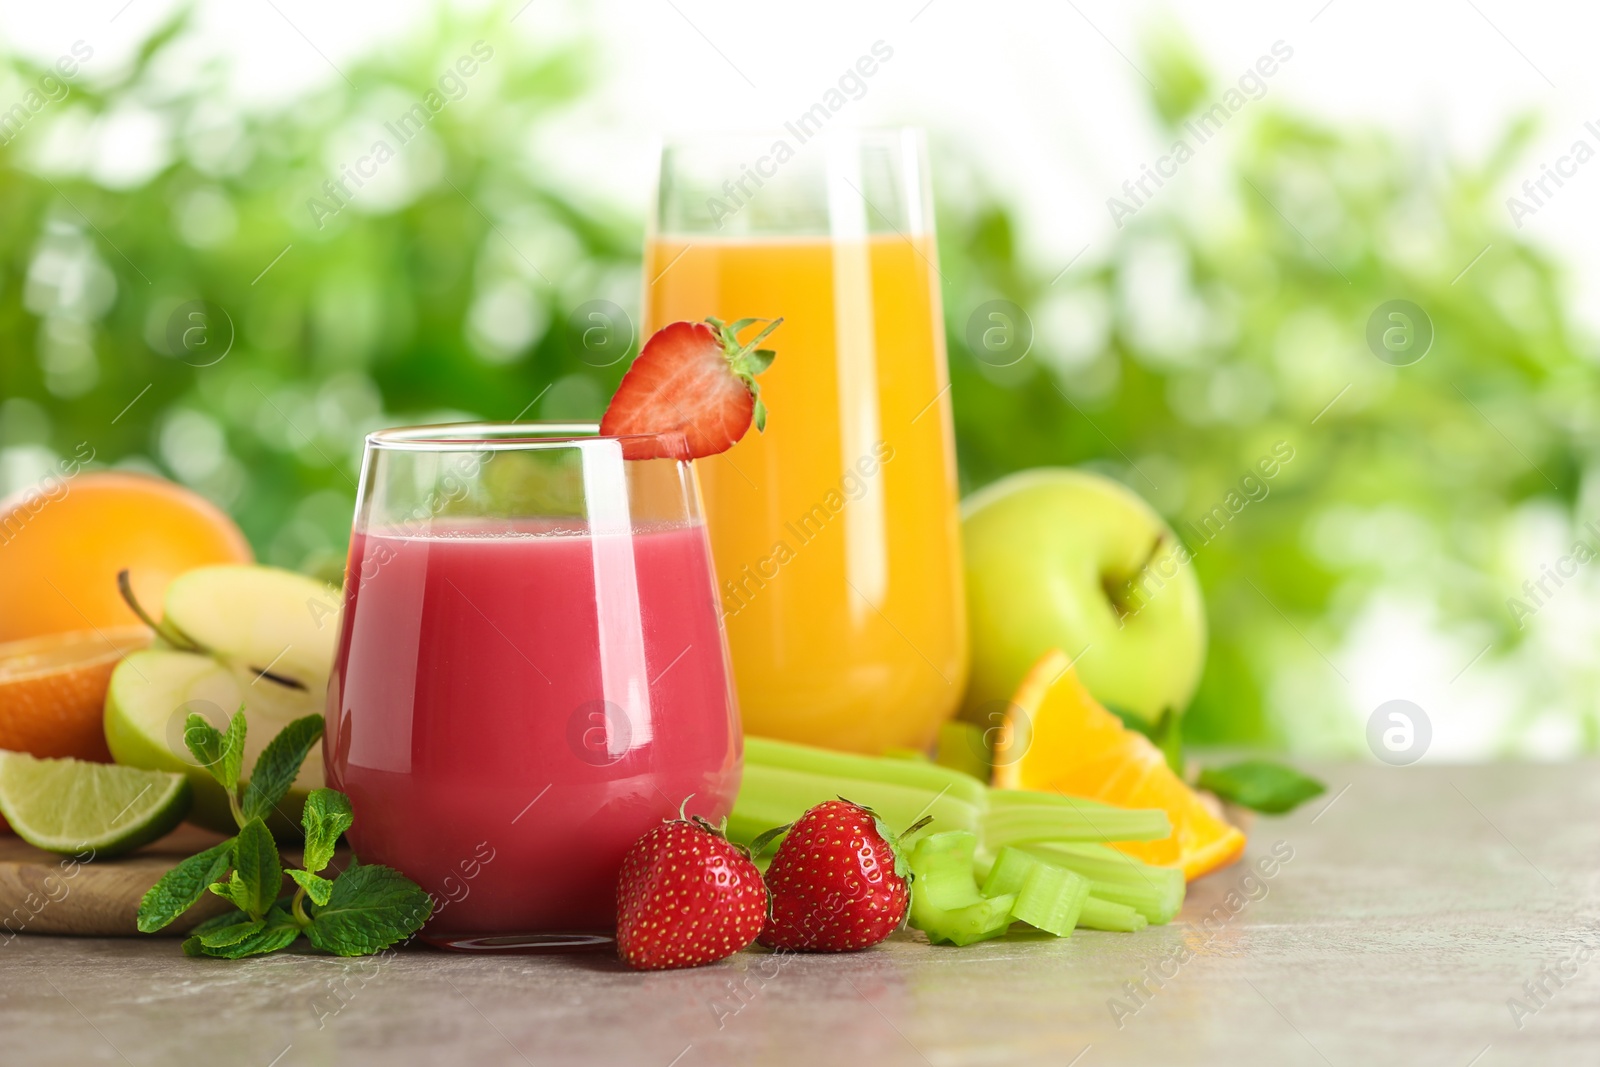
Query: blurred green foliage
[439,292]
[1217,325]
[1226,320]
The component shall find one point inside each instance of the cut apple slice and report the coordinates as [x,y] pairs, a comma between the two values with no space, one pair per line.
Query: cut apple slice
[259,617]
[265,641]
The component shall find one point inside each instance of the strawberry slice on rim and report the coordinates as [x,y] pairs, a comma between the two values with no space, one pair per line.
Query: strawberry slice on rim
[696,379]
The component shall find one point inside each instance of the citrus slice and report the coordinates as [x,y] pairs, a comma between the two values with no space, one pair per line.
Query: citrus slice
[52,690]
[74,806]
[1057,738]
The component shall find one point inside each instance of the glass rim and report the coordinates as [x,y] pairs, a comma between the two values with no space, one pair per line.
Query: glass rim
[507,436]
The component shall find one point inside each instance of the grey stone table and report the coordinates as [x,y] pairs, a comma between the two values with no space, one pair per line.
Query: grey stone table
[1423,916]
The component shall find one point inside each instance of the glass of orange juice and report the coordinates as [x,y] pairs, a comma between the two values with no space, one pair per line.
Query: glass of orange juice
[835,533]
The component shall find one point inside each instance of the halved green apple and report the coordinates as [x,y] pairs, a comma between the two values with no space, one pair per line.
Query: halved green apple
[251,636]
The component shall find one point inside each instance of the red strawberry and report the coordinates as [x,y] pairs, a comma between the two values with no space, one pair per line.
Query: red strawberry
[695,379]
[837,882]
[686,896]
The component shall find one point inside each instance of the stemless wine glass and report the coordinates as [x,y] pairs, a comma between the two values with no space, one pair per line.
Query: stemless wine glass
[835,533]
[531,672]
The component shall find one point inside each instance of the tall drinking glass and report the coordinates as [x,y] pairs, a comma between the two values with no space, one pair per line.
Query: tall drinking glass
[531,671]
[835,532]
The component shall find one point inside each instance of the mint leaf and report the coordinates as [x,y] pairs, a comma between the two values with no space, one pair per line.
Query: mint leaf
[216,922]
[180,887]
[327,814]
[204,743]
[277,931]
[278,765]
[232,761]
[371,908]
[257,872]
[318,888]
[230,933]
[1261,785]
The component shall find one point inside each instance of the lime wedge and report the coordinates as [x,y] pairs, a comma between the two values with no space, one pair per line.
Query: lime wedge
[74,806]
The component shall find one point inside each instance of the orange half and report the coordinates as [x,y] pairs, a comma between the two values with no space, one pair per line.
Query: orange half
[53,690]
[1057,738]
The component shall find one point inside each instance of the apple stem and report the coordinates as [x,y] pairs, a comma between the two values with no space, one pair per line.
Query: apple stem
[165,630]
[1113,585]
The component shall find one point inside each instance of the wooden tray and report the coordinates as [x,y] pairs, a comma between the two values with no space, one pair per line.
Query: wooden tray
[43,893]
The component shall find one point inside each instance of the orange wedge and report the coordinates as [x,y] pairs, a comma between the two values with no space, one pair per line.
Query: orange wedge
[53,690]
[1057,738]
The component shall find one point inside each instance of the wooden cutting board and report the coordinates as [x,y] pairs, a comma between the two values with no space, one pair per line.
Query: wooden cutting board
[43,893]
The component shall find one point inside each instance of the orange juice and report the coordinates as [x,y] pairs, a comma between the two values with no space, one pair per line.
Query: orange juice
[835,533]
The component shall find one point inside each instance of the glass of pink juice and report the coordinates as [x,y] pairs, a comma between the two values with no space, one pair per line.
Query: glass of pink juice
[532,672]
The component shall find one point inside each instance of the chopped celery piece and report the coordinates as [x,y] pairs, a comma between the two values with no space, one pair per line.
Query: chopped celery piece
[1052,899]
[942,864]
[772,796]
[847,766]
[987,918]
[1010,870]
[1154,892]
[1157,909]
[1100,914]
[1010,822]
[945,902]
[1049,897]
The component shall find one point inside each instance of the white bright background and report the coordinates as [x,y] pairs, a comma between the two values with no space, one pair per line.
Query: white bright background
[1046,97]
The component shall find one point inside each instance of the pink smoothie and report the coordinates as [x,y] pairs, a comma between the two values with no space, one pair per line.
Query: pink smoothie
[509,713]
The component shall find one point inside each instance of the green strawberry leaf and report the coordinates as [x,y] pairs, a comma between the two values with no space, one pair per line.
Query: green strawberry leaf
[1261,785]
[318,888]
[257,871]
[371,908]
[181,887]
[767,837]
[279,764]
[327,814]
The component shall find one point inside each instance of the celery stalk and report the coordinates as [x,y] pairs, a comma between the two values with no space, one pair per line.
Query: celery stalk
[962,747]
[823,763]
[980,921]
[1100,914]
[942,864]
[1049,897]
[945,902]
[773,795]
[1154,892]
[1010,870]
[1079,821]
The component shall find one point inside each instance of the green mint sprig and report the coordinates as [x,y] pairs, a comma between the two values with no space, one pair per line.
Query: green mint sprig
[364,909]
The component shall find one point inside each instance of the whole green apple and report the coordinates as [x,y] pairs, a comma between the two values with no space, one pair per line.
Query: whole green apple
[1059,558]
